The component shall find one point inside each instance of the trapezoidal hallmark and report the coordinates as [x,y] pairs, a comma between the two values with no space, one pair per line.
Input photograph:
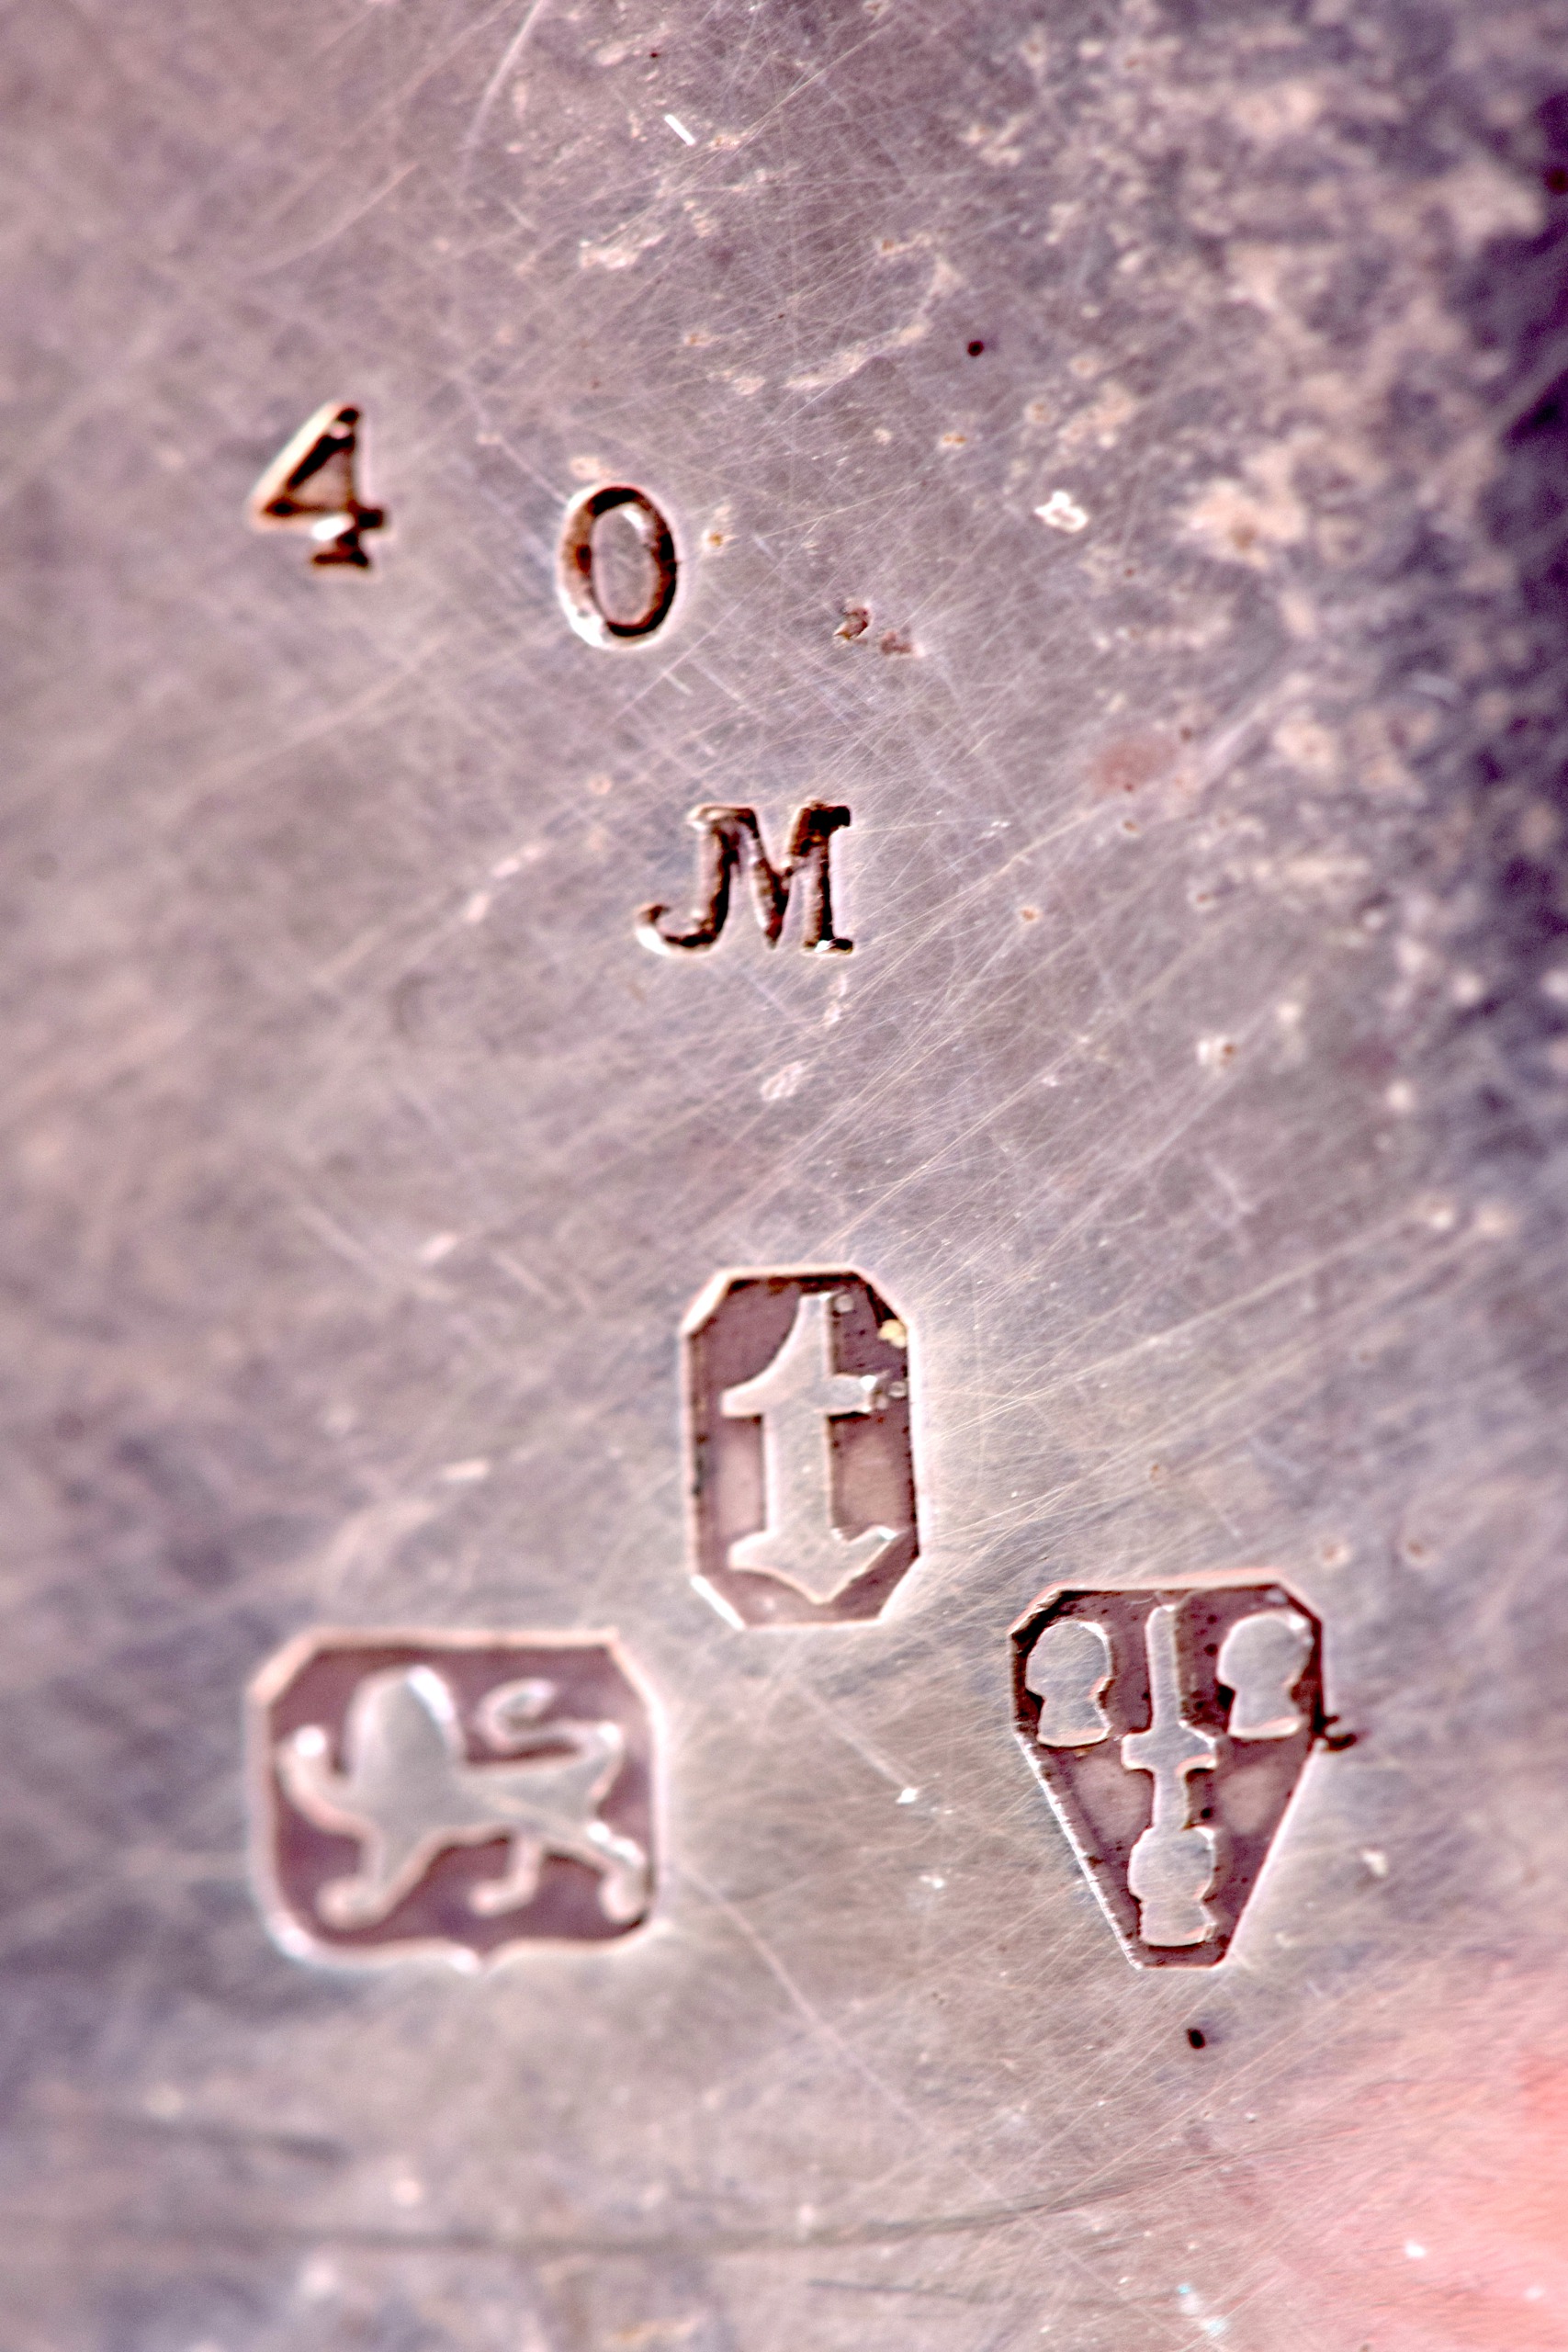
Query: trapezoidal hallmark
[1170,1728]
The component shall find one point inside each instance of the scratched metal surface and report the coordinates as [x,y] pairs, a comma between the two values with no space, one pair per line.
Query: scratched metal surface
[1192,1088]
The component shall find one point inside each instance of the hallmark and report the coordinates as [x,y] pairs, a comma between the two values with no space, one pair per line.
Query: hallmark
[450,1792]
[1169,1730]
[799,1464]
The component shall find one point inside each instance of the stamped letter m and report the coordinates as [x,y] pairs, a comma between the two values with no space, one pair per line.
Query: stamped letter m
[730,838]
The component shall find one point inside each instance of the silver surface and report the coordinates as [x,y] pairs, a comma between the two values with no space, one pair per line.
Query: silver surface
[1112,451]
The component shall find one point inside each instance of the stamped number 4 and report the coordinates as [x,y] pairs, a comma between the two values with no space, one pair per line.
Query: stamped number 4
[310,486]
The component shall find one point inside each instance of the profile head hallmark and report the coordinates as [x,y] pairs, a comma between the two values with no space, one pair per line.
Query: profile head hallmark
[419,1793]
[1169,1729]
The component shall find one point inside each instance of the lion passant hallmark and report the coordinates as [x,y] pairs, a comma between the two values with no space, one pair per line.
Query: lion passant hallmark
[450,1793]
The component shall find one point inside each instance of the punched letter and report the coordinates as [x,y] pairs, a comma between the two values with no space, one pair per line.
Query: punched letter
[731,837]
[797,1399]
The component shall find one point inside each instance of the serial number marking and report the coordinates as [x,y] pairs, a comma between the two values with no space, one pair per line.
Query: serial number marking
[800,1463]
[588,605]
[310,486]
